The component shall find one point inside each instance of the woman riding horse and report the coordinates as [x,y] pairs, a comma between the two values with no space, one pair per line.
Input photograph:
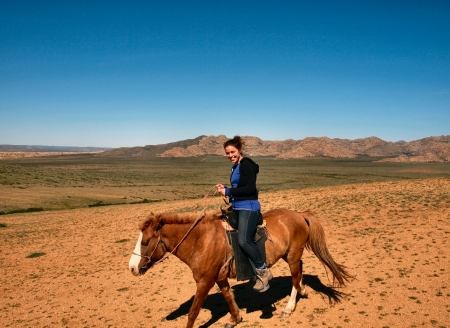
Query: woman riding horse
[244,198]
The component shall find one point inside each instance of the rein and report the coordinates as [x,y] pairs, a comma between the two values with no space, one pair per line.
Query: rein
[208,194]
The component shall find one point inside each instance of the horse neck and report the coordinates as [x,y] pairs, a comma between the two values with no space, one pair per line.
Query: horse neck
[172,234]
[180,236]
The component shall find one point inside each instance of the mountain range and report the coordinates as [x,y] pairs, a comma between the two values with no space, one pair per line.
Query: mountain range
[32,149]
[430,149]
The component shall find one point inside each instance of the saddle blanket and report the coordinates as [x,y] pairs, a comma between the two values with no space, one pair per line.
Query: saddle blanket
[244,269]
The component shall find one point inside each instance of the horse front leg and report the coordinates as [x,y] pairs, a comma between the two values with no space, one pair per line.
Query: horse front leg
[228,294]
[203,288]
[297,286]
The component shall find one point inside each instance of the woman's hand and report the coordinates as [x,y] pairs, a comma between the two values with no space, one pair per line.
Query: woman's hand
[221,189]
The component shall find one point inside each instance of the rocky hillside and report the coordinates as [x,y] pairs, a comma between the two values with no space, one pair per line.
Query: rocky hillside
[152,150]
[431,149]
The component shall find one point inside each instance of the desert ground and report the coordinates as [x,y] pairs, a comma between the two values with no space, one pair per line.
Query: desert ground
[69,268]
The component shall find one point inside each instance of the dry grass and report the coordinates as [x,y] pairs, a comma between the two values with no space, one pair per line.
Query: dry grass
[68,268]
[21,154]
[67,182]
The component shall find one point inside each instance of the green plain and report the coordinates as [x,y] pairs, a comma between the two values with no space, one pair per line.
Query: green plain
[65,182]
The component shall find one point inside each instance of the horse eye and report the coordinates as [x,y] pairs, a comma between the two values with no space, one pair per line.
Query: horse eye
[144,244]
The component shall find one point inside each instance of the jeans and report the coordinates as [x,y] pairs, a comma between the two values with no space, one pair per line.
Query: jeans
[247,223]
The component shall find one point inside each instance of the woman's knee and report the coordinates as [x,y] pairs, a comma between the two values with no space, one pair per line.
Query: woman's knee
[243,242]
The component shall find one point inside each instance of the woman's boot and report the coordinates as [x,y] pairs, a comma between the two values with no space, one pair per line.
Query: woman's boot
[262,280]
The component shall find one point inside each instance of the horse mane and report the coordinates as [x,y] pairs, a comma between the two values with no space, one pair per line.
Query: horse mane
[185,218]
[179,218]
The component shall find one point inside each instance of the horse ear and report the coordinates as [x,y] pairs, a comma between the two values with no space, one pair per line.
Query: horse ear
[218,214]
[160,223]
[147,222]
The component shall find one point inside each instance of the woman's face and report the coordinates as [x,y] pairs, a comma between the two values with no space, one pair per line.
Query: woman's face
[233,154]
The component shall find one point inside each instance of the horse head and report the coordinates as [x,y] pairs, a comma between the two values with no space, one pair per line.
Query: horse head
[149,247]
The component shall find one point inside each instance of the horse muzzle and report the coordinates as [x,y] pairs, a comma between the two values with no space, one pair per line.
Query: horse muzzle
[134,271]
[139,271]
[143,270]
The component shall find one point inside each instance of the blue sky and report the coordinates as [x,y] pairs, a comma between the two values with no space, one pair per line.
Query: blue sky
[135,73]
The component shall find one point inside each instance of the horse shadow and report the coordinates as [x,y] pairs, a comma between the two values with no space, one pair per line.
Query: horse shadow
[247,298]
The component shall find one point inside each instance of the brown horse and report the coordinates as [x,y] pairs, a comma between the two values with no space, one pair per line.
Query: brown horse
[200,242]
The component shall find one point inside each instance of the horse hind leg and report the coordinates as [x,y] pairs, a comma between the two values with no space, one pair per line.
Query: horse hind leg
[290,307]
[297,287]
[302,288]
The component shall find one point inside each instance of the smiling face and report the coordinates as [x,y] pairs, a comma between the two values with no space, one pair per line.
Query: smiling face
[233,154]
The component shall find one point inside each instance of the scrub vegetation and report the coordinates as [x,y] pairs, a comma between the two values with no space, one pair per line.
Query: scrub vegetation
[75,181]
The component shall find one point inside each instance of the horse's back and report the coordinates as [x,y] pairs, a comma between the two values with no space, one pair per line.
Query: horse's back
[288,218]
[287,228]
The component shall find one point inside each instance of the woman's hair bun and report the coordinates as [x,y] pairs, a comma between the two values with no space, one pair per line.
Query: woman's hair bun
[237,142]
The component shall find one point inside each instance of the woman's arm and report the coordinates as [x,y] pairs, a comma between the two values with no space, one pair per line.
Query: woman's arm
[247,181]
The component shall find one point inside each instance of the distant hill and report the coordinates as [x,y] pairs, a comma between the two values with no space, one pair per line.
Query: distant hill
[23,148]
[153,150]
[431,149]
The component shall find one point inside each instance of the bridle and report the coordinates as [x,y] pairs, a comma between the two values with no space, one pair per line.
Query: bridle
[150,262]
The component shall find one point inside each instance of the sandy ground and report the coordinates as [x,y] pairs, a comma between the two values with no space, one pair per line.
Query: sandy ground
[394,237]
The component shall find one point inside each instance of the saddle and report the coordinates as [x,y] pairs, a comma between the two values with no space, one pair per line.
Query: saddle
[244,268]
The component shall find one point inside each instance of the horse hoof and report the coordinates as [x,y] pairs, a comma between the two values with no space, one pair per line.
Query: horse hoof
[230,325]
[304,293]
[285,314]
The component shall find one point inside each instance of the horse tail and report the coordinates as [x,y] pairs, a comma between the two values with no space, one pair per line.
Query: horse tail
[316,243]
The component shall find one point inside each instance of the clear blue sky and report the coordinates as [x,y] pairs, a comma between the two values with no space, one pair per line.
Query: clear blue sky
[135,73]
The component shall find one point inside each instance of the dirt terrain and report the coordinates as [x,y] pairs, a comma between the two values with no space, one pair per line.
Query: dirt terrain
[69,268]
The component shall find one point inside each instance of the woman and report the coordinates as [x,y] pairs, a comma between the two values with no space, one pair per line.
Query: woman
[244,198]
